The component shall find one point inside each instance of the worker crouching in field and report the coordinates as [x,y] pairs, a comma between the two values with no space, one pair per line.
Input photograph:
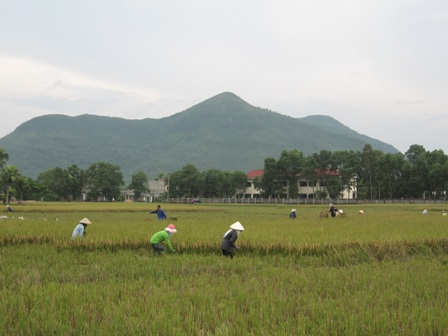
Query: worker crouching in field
[80,229]
[293,214]
[228,242]
[333,210]
[163,236]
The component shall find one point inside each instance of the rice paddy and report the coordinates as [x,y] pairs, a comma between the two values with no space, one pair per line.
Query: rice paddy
[384,272]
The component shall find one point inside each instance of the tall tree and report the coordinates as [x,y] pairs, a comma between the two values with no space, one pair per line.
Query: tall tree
[437,177]
[56,181]
[309,174]
[349,165]
[139,183]
[104,181]
[187,182]
[22,185]
[34,190]
[326,170]
[369,157]
[390,173]
[214,183]
[271,182]
[238,181]
[417,172]
[288,167]
[10,176]
[4,157]
[76,181]
[414,152]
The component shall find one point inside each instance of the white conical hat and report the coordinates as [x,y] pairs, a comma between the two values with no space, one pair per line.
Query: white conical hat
[237,226]
[85,220]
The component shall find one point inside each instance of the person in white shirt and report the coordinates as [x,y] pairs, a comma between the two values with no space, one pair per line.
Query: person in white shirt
[80,229]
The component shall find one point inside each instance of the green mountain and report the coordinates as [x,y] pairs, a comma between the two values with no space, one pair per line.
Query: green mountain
[223,132]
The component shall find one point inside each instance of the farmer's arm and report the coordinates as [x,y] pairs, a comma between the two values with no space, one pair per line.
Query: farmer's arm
[168,244]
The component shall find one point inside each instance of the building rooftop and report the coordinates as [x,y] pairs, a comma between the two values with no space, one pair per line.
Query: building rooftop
[255,173]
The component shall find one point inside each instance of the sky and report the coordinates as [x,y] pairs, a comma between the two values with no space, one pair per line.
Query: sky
[379,67]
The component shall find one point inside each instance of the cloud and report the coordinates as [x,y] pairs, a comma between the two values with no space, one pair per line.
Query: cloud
[28,85]
[376,66]
[29,89]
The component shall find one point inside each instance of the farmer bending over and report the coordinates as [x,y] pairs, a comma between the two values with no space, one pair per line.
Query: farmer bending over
[229,239]
[80,229]
[159,237]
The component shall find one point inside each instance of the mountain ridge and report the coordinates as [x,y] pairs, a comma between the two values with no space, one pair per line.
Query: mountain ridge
[223,132]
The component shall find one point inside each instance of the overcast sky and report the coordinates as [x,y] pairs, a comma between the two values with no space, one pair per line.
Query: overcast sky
[380,67]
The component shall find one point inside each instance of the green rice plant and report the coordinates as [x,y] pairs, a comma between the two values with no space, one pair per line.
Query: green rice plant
[381,273]
[104,293]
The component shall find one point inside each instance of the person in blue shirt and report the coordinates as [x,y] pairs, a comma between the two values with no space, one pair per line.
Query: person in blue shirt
[293,214]
[80,229]
[160,213]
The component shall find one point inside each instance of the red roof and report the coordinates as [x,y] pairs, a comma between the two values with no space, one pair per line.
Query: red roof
[254,173]
[327,172]
[259,172]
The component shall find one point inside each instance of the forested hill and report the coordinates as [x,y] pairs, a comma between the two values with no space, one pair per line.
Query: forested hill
[223,132]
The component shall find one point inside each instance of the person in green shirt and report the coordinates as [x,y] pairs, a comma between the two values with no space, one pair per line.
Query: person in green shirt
[163,236]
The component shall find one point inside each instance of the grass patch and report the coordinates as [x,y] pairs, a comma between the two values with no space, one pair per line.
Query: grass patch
[384,272]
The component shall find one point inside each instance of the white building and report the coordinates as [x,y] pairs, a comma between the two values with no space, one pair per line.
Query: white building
[157,188]
[306,189]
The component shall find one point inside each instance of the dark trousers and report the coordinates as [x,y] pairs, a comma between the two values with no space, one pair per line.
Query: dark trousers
[158,248]
[227,253]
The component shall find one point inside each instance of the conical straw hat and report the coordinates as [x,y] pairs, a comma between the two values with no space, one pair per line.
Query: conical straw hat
[237,226]
[85,220]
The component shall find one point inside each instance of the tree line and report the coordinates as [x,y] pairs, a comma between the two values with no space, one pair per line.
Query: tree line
[417,173]
[104,181]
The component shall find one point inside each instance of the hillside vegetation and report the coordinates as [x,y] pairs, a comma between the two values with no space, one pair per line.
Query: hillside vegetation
[223,132]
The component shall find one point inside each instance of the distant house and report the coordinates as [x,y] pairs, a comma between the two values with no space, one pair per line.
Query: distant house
[129,196]
[251,191]
[157,188]
[306,188]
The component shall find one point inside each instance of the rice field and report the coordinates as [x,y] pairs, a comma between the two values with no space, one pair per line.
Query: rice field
[381,273]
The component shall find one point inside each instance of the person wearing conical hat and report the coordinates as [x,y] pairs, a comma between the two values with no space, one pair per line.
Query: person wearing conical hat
[163,236]
[293,214]
[80,229]
[333,210]
[228,241]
